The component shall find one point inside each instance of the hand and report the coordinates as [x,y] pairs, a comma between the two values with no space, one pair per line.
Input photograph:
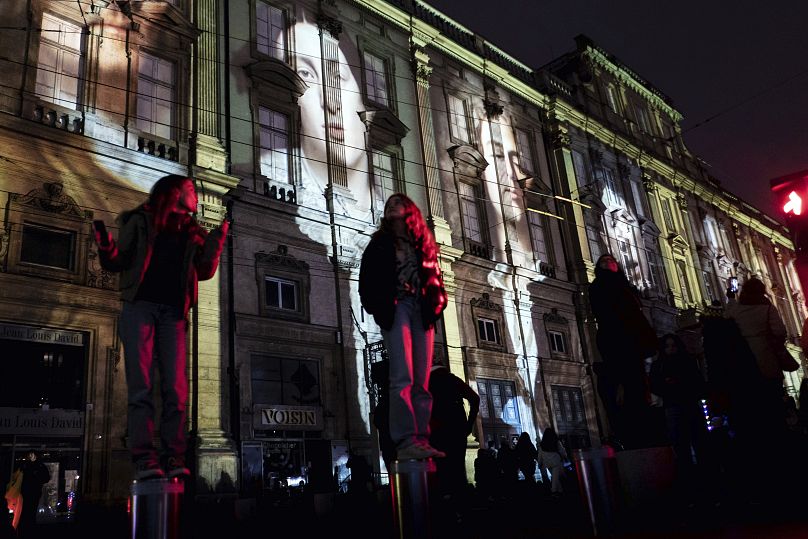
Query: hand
[105,246]
[225,226]
[730,293]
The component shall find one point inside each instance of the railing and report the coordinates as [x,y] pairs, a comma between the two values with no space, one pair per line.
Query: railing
[282,192]
[478,249]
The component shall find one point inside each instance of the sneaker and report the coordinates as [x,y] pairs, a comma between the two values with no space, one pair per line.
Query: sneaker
[419,452]
[147,470]
[176,468]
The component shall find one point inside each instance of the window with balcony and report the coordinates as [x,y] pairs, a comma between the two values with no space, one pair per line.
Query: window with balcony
[274,154]
[156,95]
[270,31]
[59,62]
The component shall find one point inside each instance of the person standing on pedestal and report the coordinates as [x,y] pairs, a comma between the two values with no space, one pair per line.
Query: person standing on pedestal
[401,286]
[624,338]
[161,253]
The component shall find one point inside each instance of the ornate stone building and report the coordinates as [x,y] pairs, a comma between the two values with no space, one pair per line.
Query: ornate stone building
[98,101]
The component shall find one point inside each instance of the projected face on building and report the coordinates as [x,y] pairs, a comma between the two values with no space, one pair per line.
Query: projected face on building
[335,114]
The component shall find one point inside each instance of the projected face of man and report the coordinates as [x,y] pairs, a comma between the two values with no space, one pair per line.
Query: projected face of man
[313,120]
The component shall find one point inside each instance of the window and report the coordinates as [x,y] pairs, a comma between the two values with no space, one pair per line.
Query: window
[499,411]
[684,282]
[274,144]
[667,215]
[525,149]
[59,62]
[458,119]
[155,95]
[606,176]
[643,119]
[471,217]
[558,342]
[270,30]
[537,236]
[384,178]
[570,415]
[612,99]
[655,271]
[579,165]
[376,80]
[282,294]
[285,381]
[595,240]
[709,285]
[489,330]
[639,199]
[628,259]
[46,246]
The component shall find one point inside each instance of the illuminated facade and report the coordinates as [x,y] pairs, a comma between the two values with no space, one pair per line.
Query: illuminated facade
[303,117]
[97,103]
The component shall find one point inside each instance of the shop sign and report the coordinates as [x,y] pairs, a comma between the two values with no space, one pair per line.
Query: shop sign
[38,422]
[290,417]
[44,335]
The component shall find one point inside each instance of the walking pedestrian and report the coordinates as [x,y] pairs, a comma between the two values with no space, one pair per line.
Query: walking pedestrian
[401,286]
[161,253]
[526,454]
[552,456]
[625,339]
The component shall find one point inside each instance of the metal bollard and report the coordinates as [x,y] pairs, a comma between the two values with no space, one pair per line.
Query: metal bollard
[408,484]
[155,509]
[599,482]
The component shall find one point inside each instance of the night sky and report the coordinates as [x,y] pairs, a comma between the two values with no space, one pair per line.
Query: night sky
[745,61]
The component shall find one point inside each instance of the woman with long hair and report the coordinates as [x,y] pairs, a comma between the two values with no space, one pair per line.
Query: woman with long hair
[625,339]
[551,459]
[161,253]
[401,286]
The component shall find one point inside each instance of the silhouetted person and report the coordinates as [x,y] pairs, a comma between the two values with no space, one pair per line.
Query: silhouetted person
[624,338]
[361,482]
[450,427]
[34,476]
[526,457]
[161,253]
[552,456]
[400,285]
[675,376]
[486,473]
[508,467]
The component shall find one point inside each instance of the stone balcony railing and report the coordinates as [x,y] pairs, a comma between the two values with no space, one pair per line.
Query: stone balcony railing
[280,191]
[52,115]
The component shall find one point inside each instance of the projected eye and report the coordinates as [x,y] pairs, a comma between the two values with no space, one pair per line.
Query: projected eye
[306,74]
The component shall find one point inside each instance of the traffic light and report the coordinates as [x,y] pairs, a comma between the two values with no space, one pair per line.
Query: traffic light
[791,197]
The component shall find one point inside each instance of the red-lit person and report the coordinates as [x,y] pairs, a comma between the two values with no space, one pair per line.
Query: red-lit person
[400,285]
[161,253]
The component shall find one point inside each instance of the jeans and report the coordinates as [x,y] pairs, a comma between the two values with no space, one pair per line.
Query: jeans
[152,331]
[409,349]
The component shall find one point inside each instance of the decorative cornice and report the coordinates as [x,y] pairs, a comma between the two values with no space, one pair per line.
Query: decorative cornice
[51,198]
[485,303]
[281,258]
[329,24]
[554,317]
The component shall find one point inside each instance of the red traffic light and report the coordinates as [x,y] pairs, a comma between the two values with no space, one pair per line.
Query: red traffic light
[794,204]
[791,192]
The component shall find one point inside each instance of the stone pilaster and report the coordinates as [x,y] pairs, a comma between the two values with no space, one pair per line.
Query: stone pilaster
[421,70]
[208,150]
[216,455]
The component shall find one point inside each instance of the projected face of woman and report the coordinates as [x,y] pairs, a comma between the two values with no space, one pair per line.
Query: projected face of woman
[312,106]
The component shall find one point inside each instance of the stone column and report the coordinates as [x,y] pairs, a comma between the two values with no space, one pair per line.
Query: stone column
[421,72]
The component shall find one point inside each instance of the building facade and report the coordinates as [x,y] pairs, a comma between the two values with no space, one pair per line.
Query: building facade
[300,119]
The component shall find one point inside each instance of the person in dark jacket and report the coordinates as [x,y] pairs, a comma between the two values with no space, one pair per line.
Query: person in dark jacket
[625,339]
[161,253]
[449,426]
[675,376]
[526,454]
[400,285]
[34,476]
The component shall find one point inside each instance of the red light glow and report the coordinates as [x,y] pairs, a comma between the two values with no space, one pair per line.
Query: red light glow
[794,204]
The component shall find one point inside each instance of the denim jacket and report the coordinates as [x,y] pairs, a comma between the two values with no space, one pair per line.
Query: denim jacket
[131,254]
